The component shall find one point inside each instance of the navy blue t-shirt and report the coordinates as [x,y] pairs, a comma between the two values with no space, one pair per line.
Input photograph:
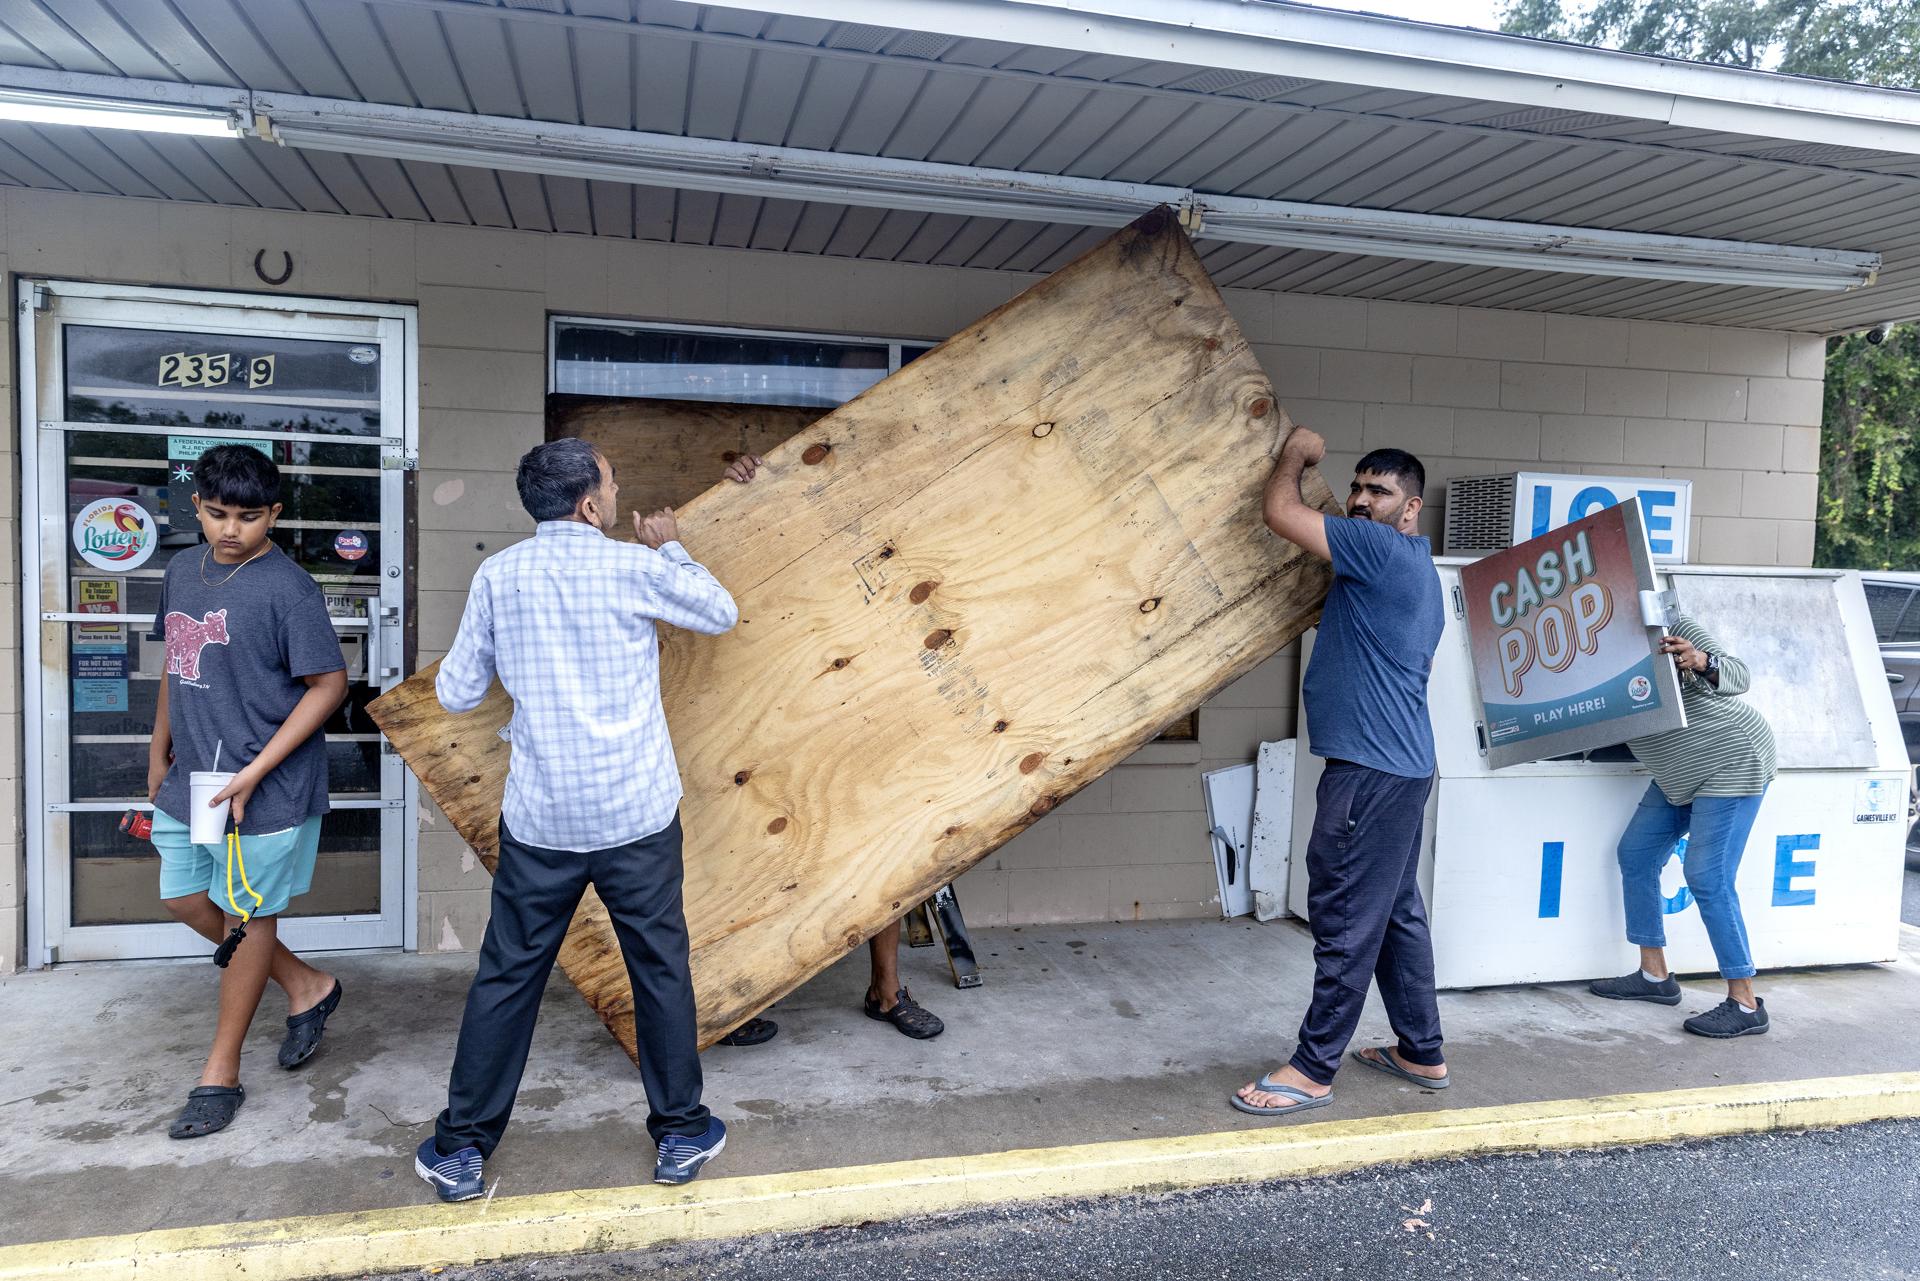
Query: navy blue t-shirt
[1366,687]
[239,641]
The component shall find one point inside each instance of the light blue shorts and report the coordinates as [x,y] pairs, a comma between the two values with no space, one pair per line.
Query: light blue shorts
[278,865]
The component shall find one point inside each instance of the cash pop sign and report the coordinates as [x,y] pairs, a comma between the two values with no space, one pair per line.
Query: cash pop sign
[1562,650]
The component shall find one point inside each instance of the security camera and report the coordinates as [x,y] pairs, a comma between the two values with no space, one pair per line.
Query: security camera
[1878,334]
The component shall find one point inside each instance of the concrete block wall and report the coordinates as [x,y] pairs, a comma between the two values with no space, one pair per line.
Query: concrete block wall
[1475,392]
[1470,391]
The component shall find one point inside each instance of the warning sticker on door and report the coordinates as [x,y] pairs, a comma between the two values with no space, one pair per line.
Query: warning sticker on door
[99,695]
[98,596]
[351,545]
[100,664]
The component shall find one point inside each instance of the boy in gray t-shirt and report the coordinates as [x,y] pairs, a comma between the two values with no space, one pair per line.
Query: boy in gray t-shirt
[253,671]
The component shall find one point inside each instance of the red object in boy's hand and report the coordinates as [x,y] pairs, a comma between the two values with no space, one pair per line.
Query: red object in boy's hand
[138,824]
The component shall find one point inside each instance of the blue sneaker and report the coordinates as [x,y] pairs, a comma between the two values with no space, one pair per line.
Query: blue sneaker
[681,1155]
[460,1177]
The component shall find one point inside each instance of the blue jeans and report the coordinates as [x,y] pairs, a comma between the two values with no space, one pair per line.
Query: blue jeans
[1715,829]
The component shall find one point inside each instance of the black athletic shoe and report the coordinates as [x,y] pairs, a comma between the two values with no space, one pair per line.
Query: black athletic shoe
[1634,987]
[1727,1019]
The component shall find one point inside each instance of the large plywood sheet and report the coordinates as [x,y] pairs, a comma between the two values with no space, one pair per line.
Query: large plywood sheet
[964,595]
[668,451]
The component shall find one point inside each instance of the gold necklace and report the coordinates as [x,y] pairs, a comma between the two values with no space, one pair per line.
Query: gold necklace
[236,569]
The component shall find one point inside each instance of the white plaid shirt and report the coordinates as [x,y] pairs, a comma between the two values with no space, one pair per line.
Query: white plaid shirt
[565,619]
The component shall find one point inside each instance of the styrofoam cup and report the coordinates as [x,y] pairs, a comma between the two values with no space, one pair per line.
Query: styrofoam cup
[207,825]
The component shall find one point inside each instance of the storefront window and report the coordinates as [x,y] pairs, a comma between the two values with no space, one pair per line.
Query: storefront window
[607,358]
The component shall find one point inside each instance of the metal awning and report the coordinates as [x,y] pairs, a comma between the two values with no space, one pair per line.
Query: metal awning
[1232,103]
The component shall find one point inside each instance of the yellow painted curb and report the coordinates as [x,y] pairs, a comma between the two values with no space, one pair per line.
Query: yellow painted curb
[561,1223]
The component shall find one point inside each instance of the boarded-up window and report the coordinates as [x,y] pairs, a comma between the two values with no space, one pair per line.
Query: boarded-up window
[671,408]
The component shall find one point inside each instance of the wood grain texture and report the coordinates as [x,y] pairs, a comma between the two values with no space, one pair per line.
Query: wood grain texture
[964,595]
[667,452]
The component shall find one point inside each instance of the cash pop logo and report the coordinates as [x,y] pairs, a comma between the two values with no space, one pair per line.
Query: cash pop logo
[1539,626]
[114,533]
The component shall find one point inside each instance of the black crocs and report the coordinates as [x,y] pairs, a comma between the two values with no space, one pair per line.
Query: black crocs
[305,1029]
[209,1109]
[908,1016]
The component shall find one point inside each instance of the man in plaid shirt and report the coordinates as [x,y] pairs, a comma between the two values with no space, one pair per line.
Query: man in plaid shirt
[565,620]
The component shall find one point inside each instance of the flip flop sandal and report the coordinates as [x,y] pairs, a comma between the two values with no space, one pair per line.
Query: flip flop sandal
[752,1032]
[1385,1062]
[209,1109]
[908,1016]
[305,1029]
[1303,1102]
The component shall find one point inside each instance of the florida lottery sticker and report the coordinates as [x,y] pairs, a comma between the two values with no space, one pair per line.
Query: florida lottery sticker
[351,545]
[114,533]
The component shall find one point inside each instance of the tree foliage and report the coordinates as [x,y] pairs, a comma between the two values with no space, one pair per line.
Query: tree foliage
[1869,41]
[1870,453]
[1869,511]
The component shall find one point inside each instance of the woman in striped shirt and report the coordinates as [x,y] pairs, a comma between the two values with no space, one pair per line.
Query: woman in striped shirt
[1708,781]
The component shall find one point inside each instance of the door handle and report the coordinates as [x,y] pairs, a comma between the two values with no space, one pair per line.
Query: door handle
[1895,678]
[384,617]
[1226,843]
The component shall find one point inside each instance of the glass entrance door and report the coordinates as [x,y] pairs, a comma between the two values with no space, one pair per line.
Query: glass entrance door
[125,389]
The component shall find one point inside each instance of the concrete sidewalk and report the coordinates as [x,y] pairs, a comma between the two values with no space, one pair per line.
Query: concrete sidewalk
[1081,1034]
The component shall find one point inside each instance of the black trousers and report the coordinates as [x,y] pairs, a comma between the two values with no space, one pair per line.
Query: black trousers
[1368,920]
[535,892]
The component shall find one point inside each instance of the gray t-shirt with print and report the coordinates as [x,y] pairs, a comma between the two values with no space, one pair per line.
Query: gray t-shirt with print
[236,652]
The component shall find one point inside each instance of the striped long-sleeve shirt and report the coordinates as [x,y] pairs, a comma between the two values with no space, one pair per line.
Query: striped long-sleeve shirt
[565,619]
[1726,748]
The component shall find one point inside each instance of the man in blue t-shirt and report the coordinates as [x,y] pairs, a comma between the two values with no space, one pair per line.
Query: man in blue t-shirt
[1366,707]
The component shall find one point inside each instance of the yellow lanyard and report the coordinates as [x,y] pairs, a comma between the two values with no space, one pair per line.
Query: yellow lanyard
[234,859]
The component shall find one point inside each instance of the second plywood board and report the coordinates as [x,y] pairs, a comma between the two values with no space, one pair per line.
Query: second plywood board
[964,595]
